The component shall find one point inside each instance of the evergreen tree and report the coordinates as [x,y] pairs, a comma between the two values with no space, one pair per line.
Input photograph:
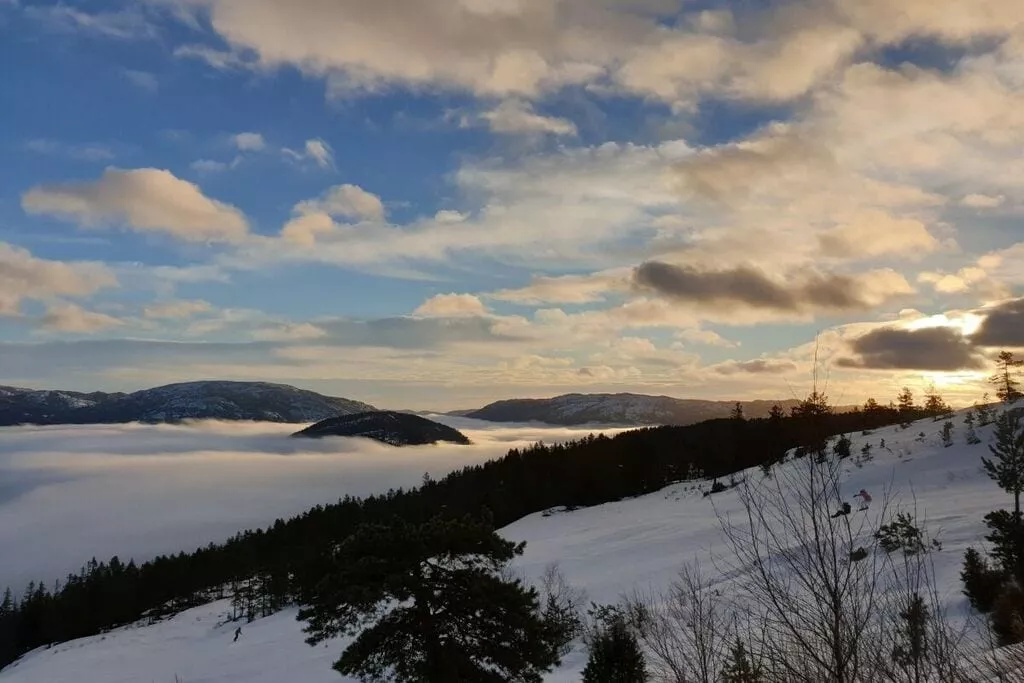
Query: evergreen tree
[911,651]
[947,433]
[1007,467]
[982,584]
[615,655]
[984,411]
[1006,534]
[737,412]
[738,667]
[1005,379]
[934,404]
[812,415]
[905,401]
[427,602]
[841,448]
[972,435]
[1007,616]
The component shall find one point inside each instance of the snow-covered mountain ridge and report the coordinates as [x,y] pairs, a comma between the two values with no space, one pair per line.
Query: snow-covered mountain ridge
[219,400]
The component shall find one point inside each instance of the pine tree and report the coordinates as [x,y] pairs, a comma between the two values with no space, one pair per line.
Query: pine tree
[982,584]
[1007,616]
[615,655]
[1005,379]
[428,602]
[984,411]
[841,448]
[812,415]
[972,435]
[1007,467]
[911,652]
[934,404]
[905,399]
[947,433]
[738,667]
[737,412]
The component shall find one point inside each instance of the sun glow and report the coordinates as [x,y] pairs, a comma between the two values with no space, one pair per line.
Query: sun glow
[966,323]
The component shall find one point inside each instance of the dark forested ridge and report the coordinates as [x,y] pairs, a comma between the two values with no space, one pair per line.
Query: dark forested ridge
[618,409]
[286,560]
[397,429]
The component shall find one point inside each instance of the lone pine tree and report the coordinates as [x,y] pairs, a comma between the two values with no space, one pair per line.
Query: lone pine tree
[1007,465]
[1005,379]
[428,602]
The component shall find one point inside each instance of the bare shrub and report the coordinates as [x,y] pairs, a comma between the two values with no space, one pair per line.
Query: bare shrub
[685,631]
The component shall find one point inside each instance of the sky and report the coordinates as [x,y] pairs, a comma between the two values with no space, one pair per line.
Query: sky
[65,492]
[434,204]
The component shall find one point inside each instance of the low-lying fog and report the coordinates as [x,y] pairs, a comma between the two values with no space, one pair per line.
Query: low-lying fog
[69,493]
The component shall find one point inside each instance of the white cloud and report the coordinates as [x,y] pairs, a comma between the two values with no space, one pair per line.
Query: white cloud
[875,233]
[448,216]
[90,152]
[567,289]
[176,309]
[314,218]
[705,337]
[218,59]
[128,24]
[451,306]
[209,166]
[315,150]
[143,80]
[982,201]
[146,200]
[249,142]
[518,117]
[345,201]
[25,276]
[306,229]
[290,332]
[65,317]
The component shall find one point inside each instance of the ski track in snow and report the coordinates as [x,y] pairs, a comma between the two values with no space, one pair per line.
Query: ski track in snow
[609,550]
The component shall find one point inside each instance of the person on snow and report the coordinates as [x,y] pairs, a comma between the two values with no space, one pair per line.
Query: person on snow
[238,632]
[865,499]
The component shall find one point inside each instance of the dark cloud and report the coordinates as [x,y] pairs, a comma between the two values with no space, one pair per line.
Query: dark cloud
[1003,326]
[759,366]
[750,287]
[412,333]
[929,348]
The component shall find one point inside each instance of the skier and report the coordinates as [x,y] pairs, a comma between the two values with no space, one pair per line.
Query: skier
[865,499]
[238,632]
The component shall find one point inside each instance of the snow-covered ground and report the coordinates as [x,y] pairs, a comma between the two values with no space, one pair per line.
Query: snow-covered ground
[609,550]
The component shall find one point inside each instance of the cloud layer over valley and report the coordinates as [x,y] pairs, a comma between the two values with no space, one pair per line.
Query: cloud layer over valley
[73,492]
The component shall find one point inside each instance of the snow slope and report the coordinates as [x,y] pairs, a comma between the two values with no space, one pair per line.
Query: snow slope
[608,549]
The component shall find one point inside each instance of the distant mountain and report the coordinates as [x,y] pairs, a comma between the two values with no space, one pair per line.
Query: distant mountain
[618,409]
[42,406]
[395,428]
[216,400]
